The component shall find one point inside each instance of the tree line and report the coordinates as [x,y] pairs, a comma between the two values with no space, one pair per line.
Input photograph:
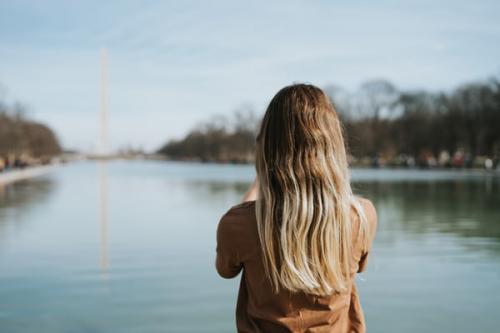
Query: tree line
[220,139]
[383,125]
[24,141]
[461,127]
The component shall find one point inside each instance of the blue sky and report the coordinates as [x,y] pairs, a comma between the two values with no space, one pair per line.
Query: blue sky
[173,64]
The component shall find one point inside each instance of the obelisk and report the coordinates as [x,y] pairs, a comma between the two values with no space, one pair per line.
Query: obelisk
[104,140]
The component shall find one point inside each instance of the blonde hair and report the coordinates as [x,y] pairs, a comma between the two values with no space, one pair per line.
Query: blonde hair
[305,199]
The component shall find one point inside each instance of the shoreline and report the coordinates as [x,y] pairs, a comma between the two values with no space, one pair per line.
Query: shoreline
[358,166]
[11,176]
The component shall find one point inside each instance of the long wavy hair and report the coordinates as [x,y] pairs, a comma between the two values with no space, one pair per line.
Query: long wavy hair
[305,202]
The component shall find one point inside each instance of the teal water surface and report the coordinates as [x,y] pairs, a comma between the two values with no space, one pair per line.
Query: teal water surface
[130,247]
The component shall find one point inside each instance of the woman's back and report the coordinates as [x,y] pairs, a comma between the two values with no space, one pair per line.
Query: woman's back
[259,308]
[302,235]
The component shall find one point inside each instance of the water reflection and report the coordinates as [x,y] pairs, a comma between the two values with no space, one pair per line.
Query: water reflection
[464,208]
[208,189]
[20,198]
[461,208]
[103,217]
[23,193]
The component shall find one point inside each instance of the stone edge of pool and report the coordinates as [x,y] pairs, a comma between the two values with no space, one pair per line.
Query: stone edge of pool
[11,176]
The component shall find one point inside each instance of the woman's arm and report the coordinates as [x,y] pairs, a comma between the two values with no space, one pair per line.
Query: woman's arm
[252,191]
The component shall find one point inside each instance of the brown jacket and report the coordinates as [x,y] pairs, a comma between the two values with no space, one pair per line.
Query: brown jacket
[258,308]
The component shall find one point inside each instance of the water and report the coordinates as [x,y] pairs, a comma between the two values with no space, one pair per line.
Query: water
[130,247]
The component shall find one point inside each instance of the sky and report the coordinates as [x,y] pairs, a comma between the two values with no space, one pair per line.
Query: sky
[173,64]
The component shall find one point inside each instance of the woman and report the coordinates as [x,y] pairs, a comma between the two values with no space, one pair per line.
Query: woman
[299,235]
